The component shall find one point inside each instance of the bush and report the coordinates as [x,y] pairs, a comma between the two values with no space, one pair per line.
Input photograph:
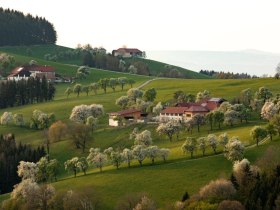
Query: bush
[221,189]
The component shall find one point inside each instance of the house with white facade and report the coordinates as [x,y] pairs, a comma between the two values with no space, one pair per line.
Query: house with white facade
[127,52]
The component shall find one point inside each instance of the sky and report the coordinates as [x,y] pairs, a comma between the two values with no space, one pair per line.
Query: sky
[169,25]
[216,25]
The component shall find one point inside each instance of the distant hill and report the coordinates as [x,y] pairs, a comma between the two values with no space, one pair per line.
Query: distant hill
[156,68]
[253,62]
[19,29]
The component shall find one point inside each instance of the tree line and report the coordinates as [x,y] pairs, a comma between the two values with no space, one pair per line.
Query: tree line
[19,29]
[226,75]
[10,155]
[98,58]
[22,92]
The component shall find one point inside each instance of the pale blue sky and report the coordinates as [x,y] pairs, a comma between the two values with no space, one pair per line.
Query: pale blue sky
[161,24]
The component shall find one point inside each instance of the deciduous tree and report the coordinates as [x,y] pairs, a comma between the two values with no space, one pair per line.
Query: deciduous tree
[190,145]
[258,133]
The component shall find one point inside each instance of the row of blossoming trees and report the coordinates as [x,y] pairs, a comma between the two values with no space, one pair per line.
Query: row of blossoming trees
[141,150]
[103,84]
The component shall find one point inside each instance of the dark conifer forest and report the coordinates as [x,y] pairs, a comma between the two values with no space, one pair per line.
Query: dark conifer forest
[19,29]
[25,92]
[11,154]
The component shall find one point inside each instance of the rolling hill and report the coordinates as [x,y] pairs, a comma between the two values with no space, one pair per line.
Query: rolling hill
[39,51]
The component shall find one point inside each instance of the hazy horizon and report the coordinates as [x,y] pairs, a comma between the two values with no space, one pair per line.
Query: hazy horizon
[253,62]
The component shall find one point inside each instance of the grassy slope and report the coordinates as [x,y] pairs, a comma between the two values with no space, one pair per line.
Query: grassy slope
[115,183]
[218,88]
[38,52]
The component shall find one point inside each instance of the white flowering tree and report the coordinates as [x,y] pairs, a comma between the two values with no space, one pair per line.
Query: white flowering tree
[223,139]
[92,122]
[152,153]
[82,112]
[42,174]
[72,165]
[27,170]
[164,153]
[168,129]
[116,157]
[134,93]
[269,110]
[6,118]
[34,195]
[144,138]
[231,117]
[123,102]
[41,120]
[246,96]
[122,80]
[77,89]
[234,149]
[202,144]
[212,141]
[113,82]
[202,95]
[83,165]
[225,106]
[264,94]
[127,156]
[18,119]
[220,188]
[198,120]
[189,145]
[94,87]
[242,171]
[140,153]
[68,91]
[145,204]
[157,109]
[97,158]
[258,133]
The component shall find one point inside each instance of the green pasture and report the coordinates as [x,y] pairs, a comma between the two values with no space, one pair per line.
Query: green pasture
[226,88]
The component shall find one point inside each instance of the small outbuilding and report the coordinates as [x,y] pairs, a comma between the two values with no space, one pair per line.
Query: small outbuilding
[132,115]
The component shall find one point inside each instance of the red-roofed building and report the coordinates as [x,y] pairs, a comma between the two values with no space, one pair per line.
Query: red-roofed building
[127,52]
[26,71]
[129,115]
[19,73]
[186,111]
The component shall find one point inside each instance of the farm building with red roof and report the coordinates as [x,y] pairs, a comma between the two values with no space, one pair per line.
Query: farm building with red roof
[26,71]
[128,115]
[127,52]
[186,111]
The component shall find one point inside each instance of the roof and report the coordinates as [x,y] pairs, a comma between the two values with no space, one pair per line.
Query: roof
[128,50]
[19,70]
[197,109]
[41,68]
[217,100]
[174,110]
[125,112]
[187,104]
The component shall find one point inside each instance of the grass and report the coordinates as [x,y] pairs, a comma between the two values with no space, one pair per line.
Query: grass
[218,88]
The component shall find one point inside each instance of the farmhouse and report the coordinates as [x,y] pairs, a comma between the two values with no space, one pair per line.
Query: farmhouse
[19,73]
[185,111]
[127,52]
[129,115]
[26,71]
